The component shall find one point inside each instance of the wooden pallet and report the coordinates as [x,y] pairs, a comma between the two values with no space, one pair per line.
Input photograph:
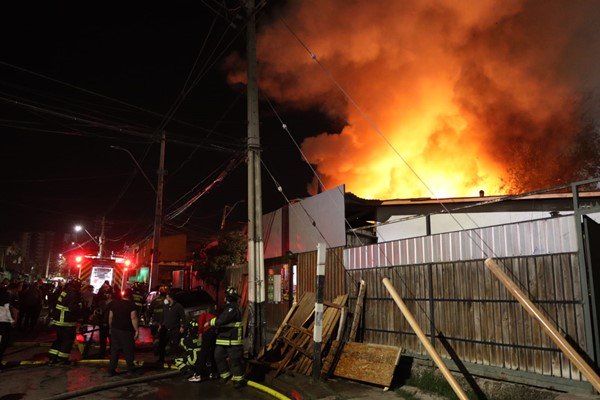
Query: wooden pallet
[294,338]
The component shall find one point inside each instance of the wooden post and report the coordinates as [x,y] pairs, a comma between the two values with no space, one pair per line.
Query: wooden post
[551,331]
[425,341]
[360,299]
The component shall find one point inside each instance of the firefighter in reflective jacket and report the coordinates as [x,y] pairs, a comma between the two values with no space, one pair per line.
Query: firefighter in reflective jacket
[64,319]
[191,344]
[229,340]
[138,299]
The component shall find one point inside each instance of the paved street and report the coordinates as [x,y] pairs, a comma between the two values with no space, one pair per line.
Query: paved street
[40,382]
[43,381]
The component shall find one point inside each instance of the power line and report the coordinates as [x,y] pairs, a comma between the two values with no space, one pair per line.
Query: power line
[95,93]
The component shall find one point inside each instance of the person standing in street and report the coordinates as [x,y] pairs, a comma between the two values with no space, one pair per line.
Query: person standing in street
[206,366]
[7,320]
[124,330]
[31,307]
[229,340]
[100,318]
[64,318]
[154,317]
[172,326]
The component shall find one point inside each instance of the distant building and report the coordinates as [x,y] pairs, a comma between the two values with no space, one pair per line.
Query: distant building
[39,251]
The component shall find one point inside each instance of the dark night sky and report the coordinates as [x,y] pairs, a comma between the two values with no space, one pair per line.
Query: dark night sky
[57,171]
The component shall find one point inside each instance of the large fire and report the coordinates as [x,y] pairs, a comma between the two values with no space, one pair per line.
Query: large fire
[472,95]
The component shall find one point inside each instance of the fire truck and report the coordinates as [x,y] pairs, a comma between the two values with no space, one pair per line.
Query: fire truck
[95,270]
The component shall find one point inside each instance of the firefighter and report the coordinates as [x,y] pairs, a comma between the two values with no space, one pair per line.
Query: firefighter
[155,309]
[191,344]
[229,340]
[64,318]
[155,315]
[138,298]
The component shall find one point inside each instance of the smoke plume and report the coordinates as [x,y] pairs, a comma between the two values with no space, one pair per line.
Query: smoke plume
[489,94]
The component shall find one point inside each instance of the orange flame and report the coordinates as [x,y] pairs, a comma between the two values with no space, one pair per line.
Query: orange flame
[471,95]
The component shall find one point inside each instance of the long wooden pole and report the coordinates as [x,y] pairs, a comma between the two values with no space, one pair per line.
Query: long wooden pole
[554,334]
[360,299]
[425,341]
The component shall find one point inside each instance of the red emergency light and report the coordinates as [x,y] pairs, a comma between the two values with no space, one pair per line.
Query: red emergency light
[78,259]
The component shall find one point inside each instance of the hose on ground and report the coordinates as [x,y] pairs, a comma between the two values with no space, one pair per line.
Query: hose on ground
[111,385]
[142,379]
[268,390]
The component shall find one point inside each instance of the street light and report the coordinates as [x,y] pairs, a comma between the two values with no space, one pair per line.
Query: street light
[79,228]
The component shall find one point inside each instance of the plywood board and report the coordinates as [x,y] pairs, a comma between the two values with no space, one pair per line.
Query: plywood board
[373,363]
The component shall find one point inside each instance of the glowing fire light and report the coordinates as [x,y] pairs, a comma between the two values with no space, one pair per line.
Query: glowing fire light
[471,95]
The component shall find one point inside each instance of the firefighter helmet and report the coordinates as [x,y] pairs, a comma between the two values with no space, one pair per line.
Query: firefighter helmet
[232,293]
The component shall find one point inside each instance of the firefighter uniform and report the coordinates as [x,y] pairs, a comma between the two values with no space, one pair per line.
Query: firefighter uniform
[191,344]
[64,319]
[229,341]
[138,299]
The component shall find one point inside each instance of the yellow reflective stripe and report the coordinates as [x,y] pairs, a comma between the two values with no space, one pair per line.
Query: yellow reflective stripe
[226,342]
[63,323]
[61,354]
[212,321]
[225,375]
[232,325]
[237,378]
[58,306]
[53,351]
[192,360]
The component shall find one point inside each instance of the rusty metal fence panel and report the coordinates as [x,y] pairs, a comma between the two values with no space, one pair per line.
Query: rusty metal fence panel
[335,273]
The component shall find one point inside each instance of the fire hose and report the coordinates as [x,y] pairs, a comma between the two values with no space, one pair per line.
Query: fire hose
[143,379]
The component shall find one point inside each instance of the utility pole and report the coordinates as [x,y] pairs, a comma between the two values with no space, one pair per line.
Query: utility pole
[256,270]
[101,239]
[158,215]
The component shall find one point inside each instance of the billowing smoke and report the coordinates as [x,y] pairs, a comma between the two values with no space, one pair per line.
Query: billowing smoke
[490,94]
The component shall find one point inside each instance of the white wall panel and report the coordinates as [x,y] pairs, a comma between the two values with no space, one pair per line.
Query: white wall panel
[545,236]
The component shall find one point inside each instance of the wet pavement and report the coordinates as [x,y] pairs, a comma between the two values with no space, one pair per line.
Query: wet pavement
[41,381]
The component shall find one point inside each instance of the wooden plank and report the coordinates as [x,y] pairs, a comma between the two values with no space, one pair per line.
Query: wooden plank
[370,363]
[360,299]
[280,329]
[306,306]
[330,318]
[331,358]
[295,346]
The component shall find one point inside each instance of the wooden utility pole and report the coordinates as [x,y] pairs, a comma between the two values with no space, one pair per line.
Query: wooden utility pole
[101,239]
[256,270]
[158,215]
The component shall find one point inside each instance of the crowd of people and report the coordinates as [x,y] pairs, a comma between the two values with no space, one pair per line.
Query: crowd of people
[204,347]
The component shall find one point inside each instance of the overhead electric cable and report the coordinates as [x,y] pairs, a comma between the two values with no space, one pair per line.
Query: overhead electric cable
[230,167]
[94,93]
